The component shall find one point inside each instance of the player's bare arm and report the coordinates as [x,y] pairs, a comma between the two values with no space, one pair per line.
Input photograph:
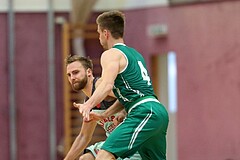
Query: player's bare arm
[82,140]
[110,62]
[115,108]
[120,117]
[110,96]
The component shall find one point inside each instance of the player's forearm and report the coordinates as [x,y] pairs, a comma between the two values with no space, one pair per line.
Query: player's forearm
[77,147]
[82,140]
[115,108]
[99,94]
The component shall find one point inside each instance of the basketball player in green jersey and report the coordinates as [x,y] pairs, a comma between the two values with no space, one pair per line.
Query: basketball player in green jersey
[124,71]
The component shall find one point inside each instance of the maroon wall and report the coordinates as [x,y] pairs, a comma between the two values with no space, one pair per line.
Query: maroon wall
[208,48]
[32,86]
[4,109]
[32,97]
[206,40]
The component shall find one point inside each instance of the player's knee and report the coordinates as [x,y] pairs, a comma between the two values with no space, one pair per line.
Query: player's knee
[82,157]
[87,156]
[102,154]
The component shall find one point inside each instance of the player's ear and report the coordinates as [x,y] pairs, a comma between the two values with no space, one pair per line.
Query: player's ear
[106,33]
[89,72]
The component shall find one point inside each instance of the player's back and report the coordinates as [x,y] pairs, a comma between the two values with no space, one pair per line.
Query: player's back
[134,81]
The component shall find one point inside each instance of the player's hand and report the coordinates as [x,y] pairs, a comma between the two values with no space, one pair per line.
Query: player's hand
[76,105]
[119,118]
[96,116]
[84,110]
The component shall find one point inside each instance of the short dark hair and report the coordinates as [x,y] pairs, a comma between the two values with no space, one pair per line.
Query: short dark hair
[113,21]
[85,61]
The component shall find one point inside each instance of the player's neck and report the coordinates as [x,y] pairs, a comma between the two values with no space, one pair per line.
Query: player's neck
[87,90]
[115,41]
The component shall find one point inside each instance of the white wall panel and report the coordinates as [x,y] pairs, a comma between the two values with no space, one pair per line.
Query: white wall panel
[65,5]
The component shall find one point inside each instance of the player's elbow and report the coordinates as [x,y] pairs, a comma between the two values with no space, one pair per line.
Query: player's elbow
[85,137]
[106,87]
[109,87]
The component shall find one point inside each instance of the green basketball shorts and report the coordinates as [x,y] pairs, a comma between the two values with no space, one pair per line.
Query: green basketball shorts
[143,130]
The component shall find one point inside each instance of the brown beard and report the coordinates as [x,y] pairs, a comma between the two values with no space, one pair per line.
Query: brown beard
[79,85]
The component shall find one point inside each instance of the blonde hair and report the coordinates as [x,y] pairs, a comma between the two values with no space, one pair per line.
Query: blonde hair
[85,61]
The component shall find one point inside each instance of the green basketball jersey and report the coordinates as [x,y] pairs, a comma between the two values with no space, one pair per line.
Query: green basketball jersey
[134,81]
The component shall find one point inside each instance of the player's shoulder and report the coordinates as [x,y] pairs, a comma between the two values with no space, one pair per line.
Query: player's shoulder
[98,81]
[112,50]
[111,54]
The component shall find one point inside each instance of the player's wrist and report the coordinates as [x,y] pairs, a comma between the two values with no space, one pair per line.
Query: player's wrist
[104,115]
[89,105]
